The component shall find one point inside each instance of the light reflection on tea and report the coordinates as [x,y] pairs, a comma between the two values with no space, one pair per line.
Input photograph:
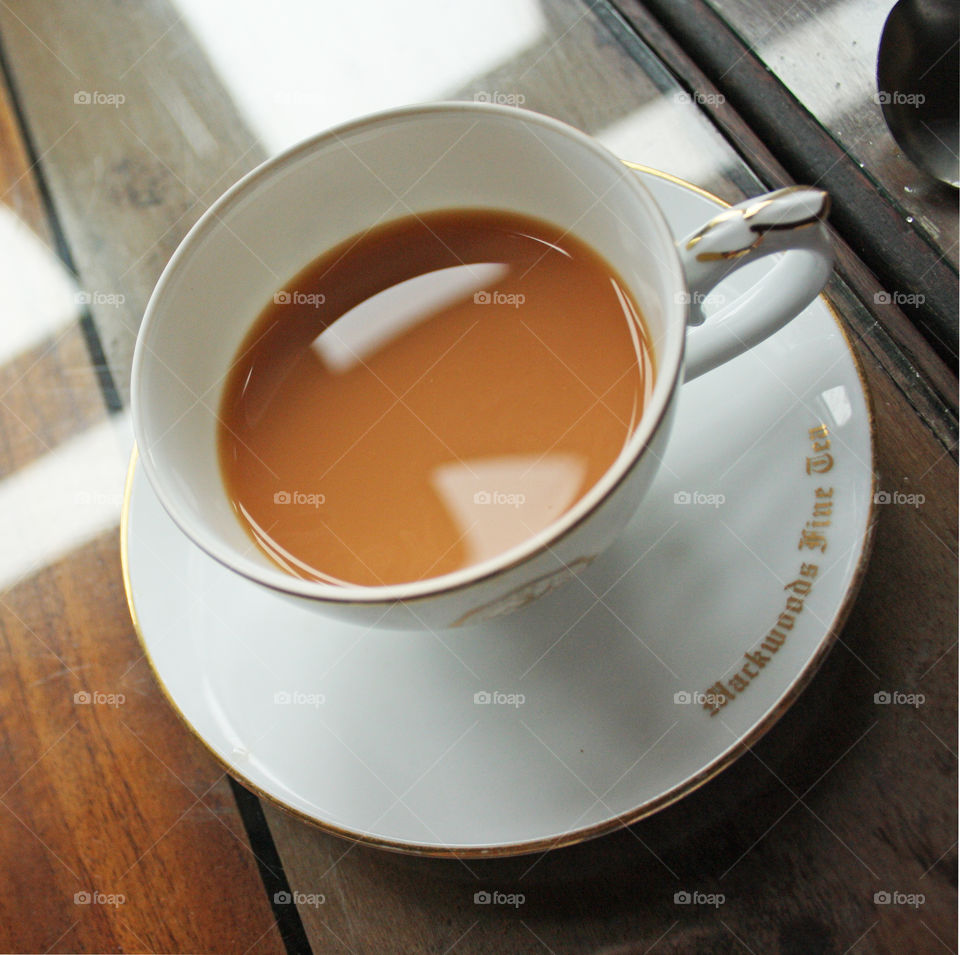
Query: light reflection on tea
[428,395]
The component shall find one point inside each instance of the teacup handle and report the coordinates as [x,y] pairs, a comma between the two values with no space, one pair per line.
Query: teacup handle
[789,220]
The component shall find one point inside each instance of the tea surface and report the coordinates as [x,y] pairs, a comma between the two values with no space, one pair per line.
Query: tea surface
[429,394]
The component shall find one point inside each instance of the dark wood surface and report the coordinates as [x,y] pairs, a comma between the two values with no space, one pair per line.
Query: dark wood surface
[108,799]
[845,797]
[825,53]
[896,342]
[904,257]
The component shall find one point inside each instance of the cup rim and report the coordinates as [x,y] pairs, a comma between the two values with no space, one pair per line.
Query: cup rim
[668,363]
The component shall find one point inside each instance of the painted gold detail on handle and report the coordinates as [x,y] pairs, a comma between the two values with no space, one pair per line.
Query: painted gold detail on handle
[742,228]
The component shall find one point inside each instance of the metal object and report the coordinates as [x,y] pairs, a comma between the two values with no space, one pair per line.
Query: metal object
[917,75]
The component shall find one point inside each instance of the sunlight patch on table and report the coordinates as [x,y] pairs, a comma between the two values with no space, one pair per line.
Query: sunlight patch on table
[847,33]
[39,295]
[655,136]
[297,68]
[63,499]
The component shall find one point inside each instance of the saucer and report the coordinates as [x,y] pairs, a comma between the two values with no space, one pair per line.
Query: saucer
[596,705]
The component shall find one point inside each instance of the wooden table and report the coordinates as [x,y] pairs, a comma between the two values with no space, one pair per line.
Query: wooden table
[118,830]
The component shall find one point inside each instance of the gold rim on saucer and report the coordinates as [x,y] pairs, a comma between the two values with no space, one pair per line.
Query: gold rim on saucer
[573,837]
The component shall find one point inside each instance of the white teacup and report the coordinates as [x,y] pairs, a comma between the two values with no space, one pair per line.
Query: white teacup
[291,209]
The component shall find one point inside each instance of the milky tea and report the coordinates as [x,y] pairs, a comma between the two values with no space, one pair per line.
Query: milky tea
[429,394]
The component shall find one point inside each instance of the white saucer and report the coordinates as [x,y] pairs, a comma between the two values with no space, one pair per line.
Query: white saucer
[376,735]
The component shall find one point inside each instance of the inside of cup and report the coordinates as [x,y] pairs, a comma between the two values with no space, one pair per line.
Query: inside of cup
[286,213]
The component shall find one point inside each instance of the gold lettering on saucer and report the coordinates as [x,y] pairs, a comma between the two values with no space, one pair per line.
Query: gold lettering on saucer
[821,461]
[812,540]
[753,661]
[813,536]
[820,438]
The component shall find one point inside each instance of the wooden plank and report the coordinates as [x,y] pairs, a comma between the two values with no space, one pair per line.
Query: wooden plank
[104,791]
[46,397]
[902,259]
[907,356]
[826,54]
[126,181]
[19,190]
[111,796]
[55,366]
